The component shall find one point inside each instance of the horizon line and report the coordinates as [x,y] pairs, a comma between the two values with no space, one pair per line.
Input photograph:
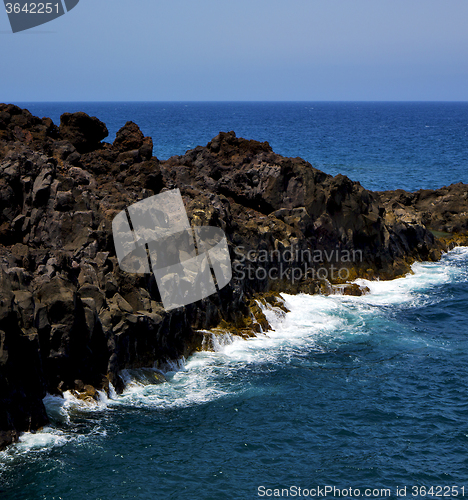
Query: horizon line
[245,101]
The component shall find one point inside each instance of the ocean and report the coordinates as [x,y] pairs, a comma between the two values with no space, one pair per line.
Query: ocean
[366,395]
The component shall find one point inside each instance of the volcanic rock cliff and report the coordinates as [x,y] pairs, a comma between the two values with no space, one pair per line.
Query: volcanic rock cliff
[70,318]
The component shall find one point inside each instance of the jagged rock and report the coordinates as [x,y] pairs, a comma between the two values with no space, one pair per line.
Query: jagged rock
[93,292]
[80,176]
[123,305]
[58,296]
[85,392]
[25,301]
[350,289]
[64,201]
[132,145]
[7,438]
[41,187]
[82,131]
[18,124]
[146,149]
[128,158]
[443,210]
[128,138]
[63,149]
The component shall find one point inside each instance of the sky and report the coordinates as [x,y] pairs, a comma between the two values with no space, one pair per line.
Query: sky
[247,50]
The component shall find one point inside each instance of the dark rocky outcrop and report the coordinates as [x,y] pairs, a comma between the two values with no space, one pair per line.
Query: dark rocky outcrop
[132,145]
[82,131]
[71,319]
[443,211]
[21,391]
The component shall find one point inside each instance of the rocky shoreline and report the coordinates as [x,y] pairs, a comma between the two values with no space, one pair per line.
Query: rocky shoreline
[71,319]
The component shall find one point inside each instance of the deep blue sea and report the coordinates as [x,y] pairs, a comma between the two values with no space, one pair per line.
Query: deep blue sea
[347,392]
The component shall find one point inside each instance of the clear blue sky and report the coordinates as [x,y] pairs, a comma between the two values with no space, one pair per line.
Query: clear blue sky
[188,50]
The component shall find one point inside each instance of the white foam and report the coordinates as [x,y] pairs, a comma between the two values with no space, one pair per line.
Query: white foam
[31,443]
[56,408]
[46,438]
[457,254]
[425,276]
[60,408]
[186,387]
[311,322]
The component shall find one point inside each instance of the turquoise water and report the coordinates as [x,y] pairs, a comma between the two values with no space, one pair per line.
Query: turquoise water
[382,145]
[360,392]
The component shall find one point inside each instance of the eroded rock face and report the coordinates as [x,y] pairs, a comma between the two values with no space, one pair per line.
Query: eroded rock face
[443,210]
[70,318]
[21,390]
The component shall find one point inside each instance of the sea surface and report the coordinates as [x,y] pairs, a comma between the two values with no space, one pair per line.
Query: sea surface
[348,392]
